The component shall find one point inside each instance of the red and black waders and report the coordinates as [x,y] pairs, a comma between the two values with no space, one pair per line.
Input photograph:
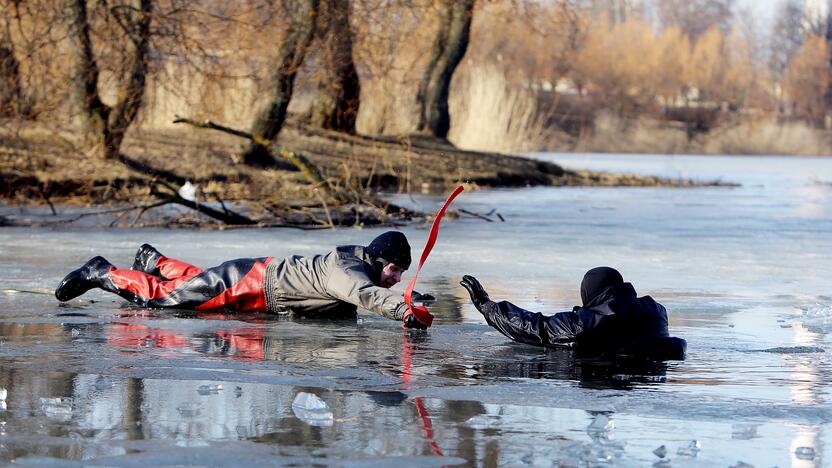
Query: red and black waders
[235,284]
[157,281]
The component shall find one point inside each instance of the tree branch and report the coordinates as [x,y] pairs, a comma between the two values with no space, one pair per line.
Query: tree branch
[304,165]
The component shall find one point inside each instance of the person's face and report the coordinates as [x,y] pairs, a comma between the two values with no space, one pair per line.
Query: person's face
[390,275]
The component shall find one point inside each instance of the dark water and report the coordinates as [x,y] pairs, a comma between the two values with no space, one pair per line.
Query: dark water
[744,272]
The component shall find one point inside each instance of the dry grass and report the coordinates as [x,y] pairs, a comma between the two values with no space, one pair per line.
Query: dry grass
[489,115]
[770,138]
[615,135]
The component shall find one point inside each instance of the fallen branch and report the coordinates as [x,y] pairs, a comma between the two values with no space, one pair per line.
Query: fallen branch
[476,215]
[229,217]
[486,216]
[304,165]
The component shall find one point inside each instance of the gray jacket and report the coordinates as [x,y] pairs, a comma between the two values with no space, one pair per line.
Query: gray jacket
[328,285]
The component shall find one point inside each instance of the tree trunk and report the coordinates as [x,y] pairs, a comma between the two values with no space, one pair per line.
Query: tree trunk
[828,96]
[290,57]
[335,105]
[104,126]
[11,94]
[448,49]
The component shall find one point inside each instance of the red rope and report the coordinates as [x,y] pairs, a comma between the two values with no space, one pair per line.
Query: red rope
[422,314]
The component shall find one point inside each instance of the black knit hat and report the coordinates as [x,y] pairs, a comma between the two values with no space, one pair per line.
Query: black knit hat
[596,281]
[392,247]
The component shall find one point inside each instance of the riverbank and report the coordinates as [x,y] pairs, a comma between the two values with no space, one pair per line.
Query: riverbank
[43,166]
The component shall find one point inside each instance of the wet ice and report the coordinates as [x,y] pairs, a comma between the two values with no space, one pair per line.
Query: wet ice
[488,401]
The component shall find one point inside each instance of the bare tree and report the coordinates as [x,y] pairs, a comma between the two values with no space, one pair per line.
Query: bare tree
[11,95]
[787,35]
[695,17]
[828,36]
[104,125]
[299,33]
[448,49]
[336,101]
[617,11]
[10,92]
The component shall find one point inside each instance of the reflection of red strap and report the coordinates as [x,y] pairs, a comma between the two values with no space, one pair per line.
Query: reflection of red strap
[421,410]
[420,312]
[427,426]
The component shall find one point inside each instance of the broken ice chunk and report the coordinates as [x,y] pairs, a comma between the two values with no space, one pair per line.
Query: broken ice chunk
[805,453]
[691,450]
[660,452]
[209,389]
[312,410]
[601,423]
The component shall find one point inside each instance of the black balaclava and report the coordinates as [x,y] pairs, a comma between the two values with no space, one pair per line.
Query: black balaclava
[391,247]
[597,281]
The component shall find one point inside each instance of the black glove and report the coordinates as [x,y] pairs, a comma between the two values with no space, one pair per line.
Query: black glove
[419,297]
[410,321]
[478,295]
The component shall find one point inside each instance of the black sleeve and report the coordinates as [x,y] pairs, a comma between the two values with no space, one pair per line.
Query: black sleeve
[532,328]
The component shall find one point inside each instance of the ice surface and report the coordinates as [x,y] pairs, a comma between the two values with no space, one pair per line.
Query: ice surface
[704,254]
[795,350]
[740,431]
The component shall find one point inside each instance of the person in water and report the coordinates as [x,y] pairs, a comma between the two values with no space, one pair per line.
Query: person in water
[328,285]
[612,320]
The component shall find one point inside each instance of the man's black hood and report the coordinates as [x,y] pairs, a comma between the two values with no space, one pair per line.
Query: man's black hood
[599,284]
[390,247]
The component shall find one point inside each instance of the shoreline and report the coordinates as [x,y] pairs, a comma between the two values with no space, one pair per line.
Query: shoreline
[42,167]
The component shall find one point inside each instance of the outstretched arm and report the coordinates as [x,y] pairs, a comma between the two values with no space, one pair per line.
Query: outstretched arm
[349,282]
[522,325]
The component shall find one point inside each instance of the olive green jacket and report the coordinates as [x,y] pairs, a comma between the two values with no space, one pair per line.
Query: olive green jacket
[329,285]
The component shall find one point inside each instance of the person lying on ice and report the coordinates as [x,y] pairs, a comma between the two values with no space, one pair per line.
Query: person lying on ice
[612,320]
[328,285]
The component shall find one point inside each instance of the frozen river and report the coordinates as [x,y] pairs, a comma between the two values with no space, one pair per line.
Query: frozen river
[745,273]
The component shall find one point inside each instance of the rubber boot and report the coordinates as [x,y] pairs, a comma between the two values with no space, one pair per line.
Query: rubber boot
[93,274]
[146,258]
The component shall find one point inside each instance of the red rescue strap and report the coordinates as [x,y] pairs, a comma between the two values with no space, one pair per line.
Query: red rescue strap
[422,314]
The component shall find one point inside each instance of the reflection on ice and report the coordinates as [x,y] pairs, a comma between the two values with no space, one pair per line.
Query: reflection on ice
[59,408]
